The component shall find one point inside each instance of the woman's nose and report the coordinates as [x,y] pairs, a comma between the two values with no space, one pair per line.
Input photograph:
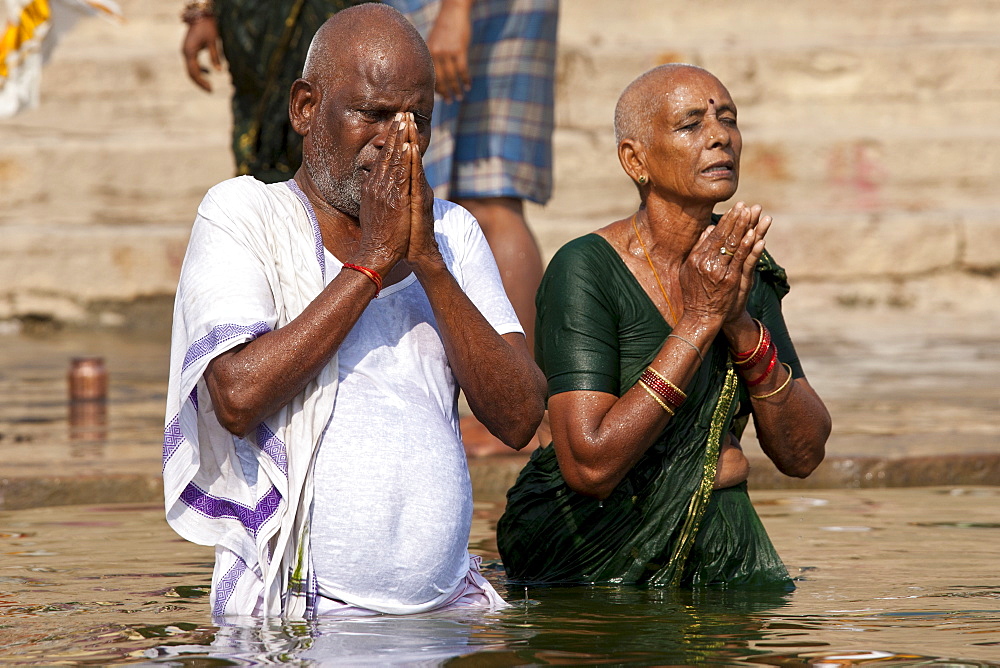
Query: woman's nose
[718,133]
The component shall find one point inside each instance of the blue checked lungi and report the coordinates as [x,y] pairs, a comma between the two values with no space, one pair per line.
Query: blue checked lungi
[496,141]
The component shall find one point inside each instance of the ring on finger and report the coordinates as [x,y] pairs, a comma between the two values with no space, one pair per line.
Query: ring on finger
[725,251]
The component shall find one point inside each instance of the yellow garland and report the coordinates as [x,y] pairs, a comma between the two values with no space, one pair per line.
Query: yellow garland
[33,16]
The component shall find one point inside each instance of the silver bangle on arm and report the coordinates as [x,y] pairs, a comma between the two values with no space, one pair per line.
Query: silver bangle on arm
[681,338]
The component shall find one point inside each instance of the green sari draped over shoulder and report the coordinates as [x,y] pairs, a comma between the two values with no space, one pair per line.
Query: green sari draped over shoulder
[265,42]
[663,524]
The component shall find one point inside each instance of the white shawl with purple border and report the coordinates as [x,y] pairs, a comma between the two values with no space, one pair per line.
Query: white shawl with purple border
[254,262]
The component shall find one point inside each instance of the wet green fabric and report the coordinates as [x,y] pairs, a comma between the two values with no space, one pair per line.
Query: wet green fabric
[265,42]
[597,330]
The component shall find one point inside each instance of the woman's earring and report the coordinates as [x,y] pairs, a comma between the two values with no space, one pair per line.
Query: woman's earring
[642,180]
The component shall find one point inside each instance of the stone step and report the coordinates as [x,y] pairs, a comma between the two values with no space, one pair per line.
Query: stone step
[121,179]
[941,262]
[653,23]
[799,171]
[109,179]
[149,62]
[755,74]
[948,53]
[102,262]
[765,81]
[101,117]
[940,259]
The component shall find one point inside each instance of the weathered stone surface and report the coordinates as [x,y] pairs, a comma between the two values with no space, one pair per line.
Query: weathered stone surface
[124,180]
[855,246]
[952,294]
[42,266]
[647,23]
[867,127]
[18,493]
[981,242]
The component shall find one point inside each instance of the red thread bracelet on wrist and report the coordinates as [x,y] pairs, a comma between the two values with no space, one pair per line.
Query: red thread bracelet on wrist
[370,273]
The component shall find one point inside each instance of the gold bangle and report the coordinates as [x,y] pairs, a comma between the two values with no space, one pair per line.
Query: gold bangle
[760,342]
[788,379]
[656,397]
[660,376]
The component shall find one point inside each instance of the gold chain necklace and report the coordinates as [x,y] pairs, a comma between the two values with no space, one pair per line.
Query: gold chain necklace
[655,275]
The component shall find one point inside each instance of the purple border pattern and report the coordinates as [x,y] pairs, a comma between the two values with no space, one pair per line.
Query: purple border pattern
[219,335]
[307,205]
[212,506]
[227,585]
[172,436]
[273,447]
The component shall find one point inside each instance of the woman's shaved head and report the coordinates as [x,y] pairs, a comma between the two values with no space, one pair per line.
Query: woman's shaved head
[640,101]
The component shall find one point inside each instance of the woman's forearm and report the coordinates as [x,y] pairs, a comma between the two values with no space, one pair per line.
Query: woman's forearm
[792,426]
[599,437]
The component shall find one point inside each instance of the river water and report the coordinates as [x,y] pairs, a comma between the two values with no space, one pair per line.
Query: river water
[889,576]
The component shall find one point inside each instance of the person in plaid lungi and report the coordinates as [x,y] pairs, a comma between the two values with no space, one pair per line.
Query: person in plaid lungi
[491,140]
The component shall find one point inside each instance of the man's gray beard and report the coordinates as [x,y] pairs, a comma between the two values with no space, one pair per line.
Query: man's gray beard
[344,196]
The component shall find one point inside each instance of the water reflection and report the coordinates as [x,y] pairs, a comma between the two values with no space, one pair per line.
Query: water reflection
[88,428]
[557,626]
[87,382]
[637,626]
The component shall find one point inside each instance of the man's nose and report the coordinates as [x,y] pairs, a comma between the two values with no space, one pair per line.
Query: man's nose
[383,134]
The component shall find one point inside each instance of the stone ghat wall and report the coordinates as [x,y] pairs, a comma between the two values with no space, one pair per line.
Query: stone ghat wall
[869,132]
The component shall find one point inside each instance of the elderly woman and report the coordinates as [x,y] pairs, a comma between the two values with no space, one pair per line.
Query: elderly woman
[660,335]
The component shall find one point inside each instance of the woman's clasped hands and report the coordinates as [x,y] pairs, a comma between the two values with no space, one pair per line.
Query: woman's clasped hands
[716,276]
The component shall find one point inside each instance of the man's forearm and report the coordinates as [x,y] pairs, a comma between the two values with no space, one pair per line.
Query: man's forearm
[253,381]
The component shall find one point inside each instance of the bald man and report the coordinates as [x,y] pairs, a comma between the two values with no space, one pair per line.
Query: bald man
[323,327]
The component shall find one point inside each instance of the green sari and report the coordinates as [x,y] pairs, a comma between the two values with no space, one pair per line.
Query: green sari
[663,524]
[265,42]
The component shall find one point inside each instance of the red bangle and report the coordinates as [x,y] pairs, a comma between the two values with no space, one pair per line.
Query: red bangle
[663,387]
[758,355]
[767,372]
[370,273]
[760,340]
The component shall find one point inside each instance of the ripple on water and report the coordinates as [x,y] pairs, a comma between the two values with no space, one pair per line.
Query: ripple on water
[113,585]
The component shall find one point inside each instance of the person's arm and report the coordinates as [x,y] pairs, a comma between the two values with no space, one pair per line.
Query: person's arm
[252,381]
[202,35]
[599,437]
[448,42]
[732,467]
[791,421]
[504,387]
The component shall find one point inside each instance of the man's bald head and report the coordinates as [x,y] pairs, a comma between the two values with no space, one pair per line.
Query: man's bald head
[638,104]
[365,65]
[368,30]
